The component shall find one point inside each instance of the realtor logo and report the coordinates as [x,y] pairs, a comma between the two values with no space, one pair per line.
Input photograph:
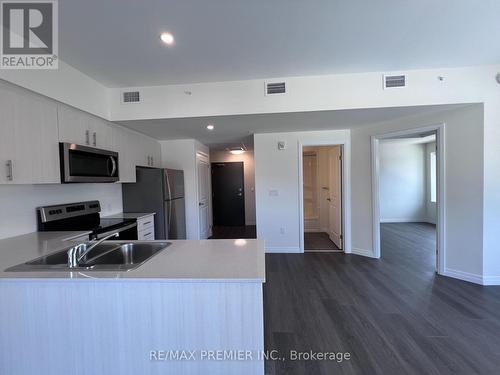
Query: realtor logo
[29,37]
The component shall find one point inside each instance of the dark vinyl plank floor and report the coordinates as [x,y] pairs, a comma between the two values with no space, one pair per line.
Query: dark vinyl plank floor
[318,241]
[393,315]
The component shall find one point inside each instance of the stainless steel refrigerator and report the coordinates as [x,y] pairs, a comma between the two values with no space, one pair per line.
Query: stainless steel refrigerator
[160,191]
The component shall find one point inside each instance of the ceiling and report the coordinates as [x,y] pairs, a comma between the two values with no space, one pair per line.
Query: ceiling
[117,41]
[233,130]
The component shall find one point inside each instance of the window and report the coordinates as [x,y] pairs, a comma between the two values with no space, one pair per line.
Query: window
[433,176]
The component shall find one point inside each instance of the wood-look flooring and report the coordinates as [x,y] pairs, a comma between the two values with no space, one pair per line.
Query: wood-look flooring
[393,315]
[318,241]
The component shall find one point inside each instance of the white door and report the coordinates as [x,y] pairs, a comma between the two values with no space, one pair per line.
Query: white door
[203,194]
[335,195]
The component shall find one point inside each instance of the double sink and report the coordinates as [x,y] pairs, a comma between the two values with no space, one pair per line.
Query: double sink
[106,256]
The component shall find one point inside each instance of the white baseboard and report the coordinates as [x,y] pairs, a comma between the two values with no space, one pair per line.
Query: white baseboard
[362,252]
[491,280]
[272,249]
[465,276]
[404,220]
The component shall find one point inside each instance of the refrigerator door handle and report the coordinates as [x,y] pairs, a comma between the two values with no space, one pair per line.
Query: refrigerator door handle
[168,185]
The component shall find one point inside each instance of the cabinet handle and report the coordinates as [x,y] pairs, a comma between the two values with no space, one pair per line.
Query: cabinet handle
[10,170]
[149,160]
[146,223]
[94,139]
[152,162]
[87,137]
[147,234]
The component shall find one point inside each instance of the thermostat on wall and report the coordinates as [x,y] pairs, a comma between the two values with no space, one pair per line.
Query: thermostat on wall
[281,145]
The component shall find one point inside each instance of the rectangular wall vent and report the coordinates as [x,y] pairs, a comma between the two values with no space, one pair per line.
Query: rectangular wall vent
[394,81]
[275,88]
[131,97]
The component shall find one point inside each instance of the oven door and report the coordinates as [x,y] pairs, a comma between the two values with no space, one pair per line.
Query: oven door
[87,164]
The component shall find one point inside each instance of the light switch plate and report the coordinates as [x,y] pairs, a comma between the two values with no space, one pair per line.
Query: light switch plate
[281,145]
[273,193]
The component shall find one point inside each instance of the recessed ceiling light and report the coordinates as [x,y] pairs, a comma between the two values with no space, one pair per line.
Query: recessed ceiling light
[210,127]
[167,38]
[237,150]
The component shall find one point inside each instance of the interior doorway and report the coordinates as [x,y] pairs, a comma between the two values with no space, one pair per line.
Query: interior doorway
[408,175]
[322,198]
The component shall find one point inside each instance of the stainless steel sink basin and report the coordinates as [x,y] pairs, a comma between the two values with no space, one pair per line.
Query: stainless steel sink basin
[107,256]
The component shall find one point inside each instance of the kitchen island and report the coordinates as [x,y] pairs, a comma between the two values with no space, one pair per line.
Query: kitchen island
[194,308]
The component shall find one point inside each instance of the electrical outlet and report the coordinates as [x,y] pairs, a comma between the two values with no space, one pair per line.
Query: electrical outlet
[282,230]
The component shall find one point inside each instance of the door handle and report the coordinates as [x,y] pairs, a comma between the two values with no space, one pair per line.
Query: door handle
[10,170]
[200,204]
[328,199]
[240,194]
[87,137]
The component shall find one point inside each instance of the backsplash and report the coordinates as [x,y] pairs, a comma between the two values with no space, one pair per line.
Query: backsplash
[18,203]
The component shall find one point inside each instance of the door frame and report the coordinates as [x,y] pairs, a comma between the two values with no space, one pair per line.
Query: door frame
[202,157]
[346,189]
[440,186]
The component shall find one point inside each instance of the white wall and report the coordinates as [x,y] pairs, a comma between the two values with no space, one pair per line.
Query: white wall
[249,176]
[464,184]
[18,202]
[181,154]
[277,185]
[310,93]
[402,181]
[66,84]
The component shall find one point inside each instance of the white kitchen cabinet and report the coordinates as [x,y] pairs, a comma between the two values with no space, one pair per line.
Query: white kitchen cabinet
[124,144]
[148,151]
[29,152]
[82,128]
[146,228]
[31,127]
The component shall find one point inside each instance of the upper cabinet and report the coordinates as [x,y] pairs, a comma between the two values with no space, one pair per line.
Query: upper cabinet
[29,138]
[32,126]
[79,127]
[135,149]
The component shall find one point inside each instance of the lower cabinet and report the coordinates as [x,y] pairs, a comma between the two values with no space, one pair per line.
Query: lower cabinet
[146,228]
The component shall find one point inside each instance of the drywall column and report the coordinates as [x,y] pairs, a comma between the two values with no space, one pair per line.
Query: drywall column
[181,154]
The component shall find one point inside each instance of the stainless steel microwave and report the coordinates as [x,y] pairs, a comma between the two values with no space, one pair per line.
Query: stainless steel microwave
[87,164]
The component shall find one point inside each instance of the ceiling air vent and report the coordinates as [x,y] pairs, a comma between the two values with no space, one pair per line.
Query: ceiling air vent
[131,97]
[394,81]
[275,88]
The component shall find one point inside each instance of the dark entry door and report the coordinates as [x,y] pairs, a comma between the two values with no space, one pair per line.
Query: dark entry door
[228,194]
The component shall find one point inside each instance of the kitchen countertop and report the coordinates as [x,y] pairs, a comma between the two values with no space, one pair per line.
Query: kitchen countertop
[130,215]
[183,261]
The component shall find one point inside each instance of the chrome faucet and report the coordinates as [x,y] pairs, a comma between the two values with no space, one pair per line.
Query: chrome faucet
[78,252]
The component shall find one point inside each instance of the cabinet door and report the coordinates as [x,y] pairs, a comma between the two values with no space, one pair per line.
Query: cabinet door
[156,152]
[125,146]
[30,123]
[7,148]
[101,135]
[74,125]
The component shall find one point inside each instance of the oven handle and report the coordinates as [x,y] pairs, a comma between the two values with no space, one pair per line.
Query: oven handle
[117,230]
